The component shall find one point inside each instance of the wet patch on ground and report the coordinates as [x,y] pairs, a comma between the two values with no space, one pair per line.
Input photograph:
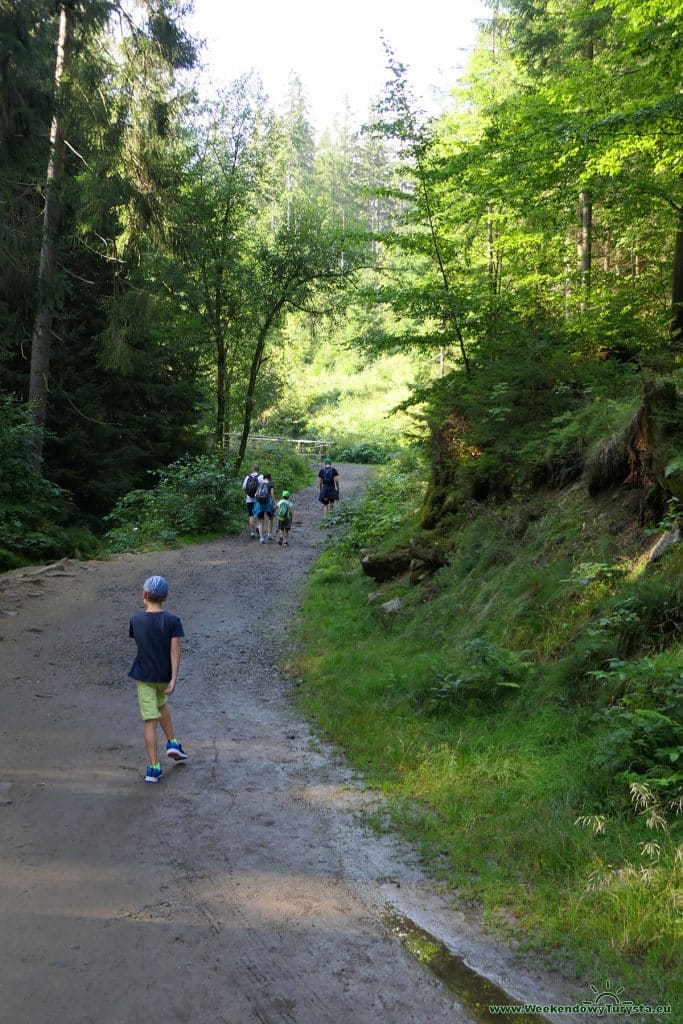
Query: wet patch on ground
[471,989]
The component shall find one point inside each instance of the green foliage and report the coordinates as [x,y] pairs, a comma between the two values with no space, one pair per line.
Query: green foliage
[365,453]
[192,496]
[587,573]
[289,470]
[198,495]
[36,516]
[375,520]
[484,674]
[642,740]
[670,520]
[329,390]
[563,109]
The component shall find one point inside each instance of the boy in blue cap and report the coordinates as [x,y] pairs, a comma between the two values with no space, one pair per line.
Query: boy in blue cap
[155,670]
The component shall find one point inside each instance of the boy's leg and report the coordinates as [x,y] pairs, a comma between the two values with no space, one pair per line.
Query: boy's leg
[149,712]
[174,749]
[151,740]
[166,723]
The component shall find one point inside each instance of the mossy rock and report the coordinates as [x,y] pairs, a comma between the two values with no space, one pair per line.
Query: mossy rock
[386,566]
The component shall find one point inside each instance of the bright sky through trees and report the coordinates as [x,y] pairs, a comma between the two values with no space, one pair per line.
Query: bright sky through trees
[336,49]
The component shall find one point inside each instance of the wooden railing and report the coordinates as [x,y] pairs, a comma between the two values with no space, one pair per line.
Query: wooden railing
[301,444]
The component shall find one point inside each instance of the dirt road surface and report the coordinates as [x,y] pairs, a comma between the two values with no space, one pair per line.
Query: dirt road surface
[241,888]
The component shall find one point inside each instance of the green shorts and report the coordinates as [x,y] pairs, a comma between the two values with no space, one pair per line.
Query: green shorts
[151,698]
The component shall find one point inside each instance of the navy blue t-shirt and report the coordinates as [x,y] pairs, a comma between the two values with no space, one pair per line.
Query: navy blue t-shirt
[152,632]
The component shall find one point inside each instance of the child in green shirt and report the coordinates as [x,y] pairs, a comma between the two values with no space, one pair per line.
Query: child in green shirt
[283,514]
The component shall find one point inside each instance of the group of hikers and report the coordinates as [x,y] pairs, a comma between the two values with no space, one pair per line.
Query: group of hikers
[263,511]
[157,632]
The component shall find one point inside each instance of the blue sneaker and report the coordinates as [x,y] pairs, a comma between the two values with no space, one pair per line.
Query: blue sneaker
[175,751]
[153,774]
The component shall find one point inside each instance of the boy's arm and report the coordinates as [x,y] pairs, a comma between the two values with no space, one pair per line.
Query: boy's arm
[175,664]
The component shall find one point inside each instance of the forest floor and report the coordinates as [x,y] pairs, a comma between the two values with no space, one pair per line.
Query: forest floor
[244,887]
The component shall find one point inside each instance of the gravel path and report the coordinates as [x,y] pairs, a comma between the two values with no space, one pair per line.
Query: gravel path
[241,889]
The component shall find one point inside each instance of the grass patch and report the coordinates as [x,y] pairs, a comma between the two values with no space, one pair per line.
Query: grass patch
[488,713]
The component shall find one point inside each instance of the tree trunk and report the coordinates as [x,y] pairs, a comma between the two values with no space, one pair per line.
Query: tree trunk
[219,429]
[47,267]
[227,421]
[219,329]
[586,246]
[490,262]
[256,361]
[586,205]
[249,400]
[677,281]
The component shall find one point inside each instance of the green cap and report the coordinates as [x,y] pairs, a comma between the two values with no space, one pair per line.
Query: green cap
[285,494]
[328,460]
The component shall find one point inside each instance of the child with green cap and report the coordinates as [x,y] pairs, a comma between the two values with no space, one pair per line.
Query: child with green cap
[155,670]
[283,514]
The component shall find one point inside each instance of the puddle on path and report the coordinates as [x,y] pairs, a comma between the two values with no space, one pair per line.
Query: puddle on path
[474,992]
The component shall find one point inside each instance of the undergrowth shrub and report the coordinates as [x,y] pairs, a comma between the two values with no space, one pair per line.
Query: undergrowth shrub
[642,736]
[483,673]
[36,516]
[192,496]
[530,416]
[624,617]
[196,495]
[366,453]
[290,470]
[392,491]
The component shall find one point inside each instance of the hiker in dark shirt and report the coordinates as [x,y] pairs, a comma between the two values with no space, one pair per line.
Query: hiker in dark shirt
[329,485]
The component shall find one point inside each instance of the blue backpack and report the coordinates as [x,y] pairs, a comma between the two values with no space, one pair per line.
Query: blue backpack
[263,492]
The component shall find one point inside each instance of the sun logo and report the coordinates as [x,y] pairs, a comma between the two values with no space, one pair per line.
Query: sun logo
[607,994]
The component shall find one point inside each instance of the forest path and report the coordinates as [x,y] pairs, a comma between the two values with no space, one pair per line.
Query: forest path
[241,889]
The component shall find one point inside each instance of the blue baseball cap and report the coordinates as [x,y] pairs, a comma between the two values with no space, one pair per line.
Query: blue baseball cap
[156,586]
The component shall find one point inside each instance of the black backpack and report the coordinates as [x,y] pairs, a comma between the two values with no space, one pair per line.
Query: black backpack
[251,485]
[328,475]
